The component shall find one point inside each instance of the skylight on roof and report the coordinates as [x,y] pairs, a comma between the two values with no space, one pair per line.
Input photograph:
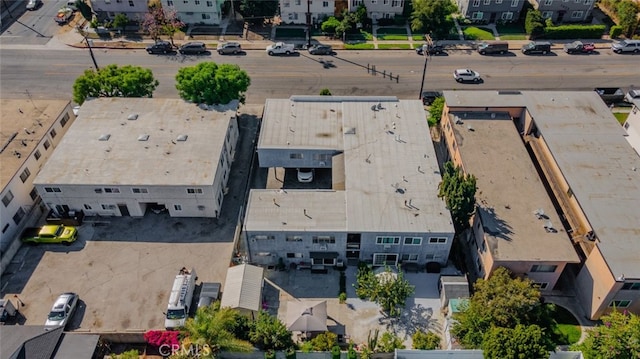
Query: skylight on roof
[182,138]
[143,137]
[104,137]
[132,117]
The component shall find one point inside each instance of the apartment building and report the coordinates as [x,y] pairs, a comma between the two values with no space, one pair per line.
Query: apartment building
[295,11]
[561,11]
[108,9]
[490,11]
[196,12]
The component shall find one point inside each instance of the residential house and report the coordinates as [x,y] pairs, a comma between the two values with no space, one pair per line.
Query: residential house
[590,172]
[382,206]
[561,11]
[108,9]
[294,11]
[379,9]
[30,130]
[125,156]
[490,11]
[196,12]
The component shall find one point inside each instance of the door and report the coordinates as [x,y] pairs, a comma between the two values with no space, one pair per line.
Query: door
[353,246]
[124,211]
[560,16]
[492,19]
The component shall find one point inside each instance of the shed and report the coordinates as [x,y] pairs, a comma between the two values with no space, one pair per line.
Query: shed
[452,287]
[243,288]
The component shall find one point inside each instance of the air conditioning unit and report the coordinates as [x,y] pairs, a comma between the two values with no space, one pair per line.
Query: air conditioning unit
[323,248]
[322,163]
[387,246]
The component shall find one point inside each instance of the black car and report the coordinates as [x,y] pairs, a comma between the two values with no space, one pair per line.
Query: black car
[433,49]
[429,96]
[321,50]
[193,48]
[160,47]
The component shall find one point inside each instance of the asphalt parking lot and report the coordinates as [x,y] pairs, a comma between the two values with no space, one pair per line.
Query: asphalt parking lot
[123,267]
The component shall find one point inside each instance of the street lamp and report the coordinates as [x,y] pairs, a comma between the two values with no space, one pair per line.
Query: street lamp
[426,53]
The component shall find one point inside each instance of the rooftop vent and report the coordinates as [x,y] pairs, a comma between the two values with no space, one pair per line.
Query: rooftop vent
[509,93]
[350,131]
[132,117]
[104,137]
[144,137]
[182,138]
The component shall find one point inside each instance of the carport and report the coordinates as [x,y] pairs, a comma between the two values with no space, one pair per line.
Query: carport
[243,289]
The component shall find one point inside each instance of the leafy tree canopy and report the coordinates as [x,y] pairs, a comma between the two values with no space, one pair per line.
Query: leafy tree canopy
[325,92]
[459,192]
[425,341]
[269,333]
[330,25]
[627,12]
[210,83]
[435,111]
[389,290]
[158,21]
[618,337]
[322,342]
[389,342]
[522,342]
[433,16]
[255,11]
[120,21]
[114,81]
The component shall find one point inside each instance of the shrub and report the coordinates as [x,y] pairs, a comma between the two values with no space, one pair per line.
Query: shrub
[325,92]
[615,31]
[335,352]
[290,353]
[129,354]
[157,338]
[425,341]
[574,32]
[352,354]
[323,342]
[270,354]
[342,297]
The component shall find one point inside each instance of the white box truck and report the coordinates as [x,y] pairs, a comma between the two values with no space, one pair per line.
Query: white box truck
[180,298]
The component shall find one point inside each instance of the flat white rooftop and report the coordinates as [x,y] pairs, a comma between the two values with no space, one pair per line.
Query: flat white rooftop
[171,142]
[590,148]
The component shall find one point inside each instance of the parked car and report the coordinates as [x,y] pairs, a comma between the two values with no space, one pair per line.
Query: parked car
[536,47]
[579,47]
[160,47]
[633,94]
[321,50]
[34,4]
[193,48]
[493,47]
[466,75]
[209,293]
[305,175]
[229,48]
[429,96]
[433,49]
[62,310]
[626,46]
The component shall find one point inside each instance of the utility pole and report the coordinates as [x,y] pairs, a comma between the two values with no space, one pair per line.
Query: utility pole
[93,58]
[426,53]
[308,24]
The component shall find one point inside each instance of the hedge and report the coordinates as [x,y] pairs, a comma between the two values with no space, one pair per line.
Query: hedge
[574,32]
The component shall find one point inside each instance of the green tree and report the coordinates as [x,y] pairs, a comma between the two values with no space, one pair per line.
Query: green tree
[114,81]
[522,342]
[85,10]
[534,23]
[214,327]
[325,92]
[501,301]
[388,292]
[627,11]
[435,111]
[323,342]
[269,333]
[210,83]
[121,21]
[615,31]
[618,337]
[388,343]
[330,25]
[255,11]
[459,192]
[425,341]
[433,17]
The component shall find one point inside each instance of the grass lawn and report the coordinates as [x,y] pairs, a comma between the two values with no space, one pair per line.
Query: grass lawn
[513,37]
[363,46]
[567,327]
[512,31]
[392,30]
[290,33]
[621,116]
[417,37]
[392,37]
[477,33]
[394,46]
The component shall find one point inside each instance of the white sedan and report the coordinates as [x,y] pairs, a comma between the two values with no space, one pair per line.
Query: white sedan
[466,75]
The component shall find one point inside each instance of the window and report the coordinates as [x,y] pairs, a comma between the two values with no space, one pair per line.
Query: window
[540,285]
[47,144]
[209,3]
[438,240]
[177,207]
[107,1]
[294,239]
[387,240]
[52,189]
[409,258]
[498,2]
[414,241]
[548,2]
[119,1]
[476,3]
[620,303]
[258,238]
[37,155]
[547,14]
[507,15]
[548,268]
[25,174]
[324,239]
[97,190]
[514,3]
[64,120]
[18,216]
[385,2]
[206,16]
[86,206]
[325,4]
[397,3]
[53,133]
[287,4]
[631,286]
[487,2]
[6,226]
[478,15]
[321,157]
[185,1]
[197,2]
[576,15]
[139,190]
[111,190]
[194,190]
[295,156]
[588,2]
[297,2]
[33,194]
[169,3]
[7,198]
[108,206]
